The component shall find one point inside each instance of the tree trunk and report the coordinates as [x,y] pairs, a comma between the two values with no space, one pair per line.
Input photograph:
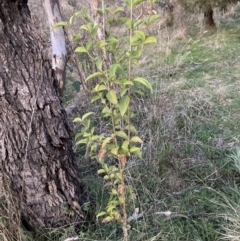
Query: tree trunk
[59,52]
[36,157]
[208,17]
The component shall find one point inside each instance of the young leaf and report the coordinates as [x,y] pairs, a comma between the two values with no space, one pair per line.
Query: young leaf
[73,17]
[99,63]
[123,105]
[136,22]
[60,24]
[134,149]
[112,70]
[81,49]
[86,115]
[112,97]
[153,18]
[107,219]
[94,75]
[101,88]
[136,139]
[106,141]
[122,134]
[101,171]
[143,82]
[114,192]
[133,129]
[78,119]
[94,98]
[126,21]
[76,37]
[150,40]
[101,214]
[138,154]
[136,2]
[140,34]
[89,45]
[117,10]
[83,141]
[106,110]
[94,30]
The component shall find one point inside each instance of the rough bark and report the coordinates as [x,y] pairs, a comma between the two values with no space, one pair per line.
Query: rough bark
[208,17]
[36,159]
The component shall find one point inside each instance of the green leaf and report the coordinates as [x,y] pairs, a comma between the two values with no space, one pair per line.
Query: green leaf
[89,45]
[123,91]
[107,219]
[60,24]
[112,97]
[88,27]
[122,134]
[150,40]
[134,149]
[133,129]
[74,16]
[125,146]
[138,154]
[137,22]
[106,177]
[101,171]
[86,115]
[80,49]
[136,139]
[123,105]
[94,98]
[117,10]
[94,75]
[106,110]
[153,18]
[114,192]
[83,141]
[143,82]
[102,87]
[112,70]
[76,37]
[101,214]
[114,150]
[140,34]
[136,2]
[99,63]
[77,119]
[94,30]
[126,21]
[102,43]
[106,141]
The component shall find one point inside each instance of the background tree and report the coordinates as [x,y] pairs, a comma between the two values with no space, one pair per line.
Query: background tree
[207,7]
[36,159]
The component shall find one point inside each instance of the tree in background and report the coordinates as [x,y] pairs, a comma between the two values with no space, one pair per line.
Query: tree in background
[207,7]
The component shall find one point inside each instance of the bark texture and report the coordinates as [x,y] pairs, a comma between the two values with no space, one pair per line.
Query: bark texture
[36,158]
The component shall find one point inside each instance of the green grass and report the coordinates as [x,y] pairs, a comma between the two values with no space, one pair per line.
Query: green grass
[191,124]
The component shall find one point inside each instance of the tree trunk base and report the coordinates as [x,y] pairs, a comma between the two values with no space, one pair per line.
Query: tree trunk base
[208,19]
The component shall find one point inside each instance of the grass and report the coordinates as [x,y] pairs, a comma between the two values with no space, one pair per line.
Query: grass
[191,133]
[187,184]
